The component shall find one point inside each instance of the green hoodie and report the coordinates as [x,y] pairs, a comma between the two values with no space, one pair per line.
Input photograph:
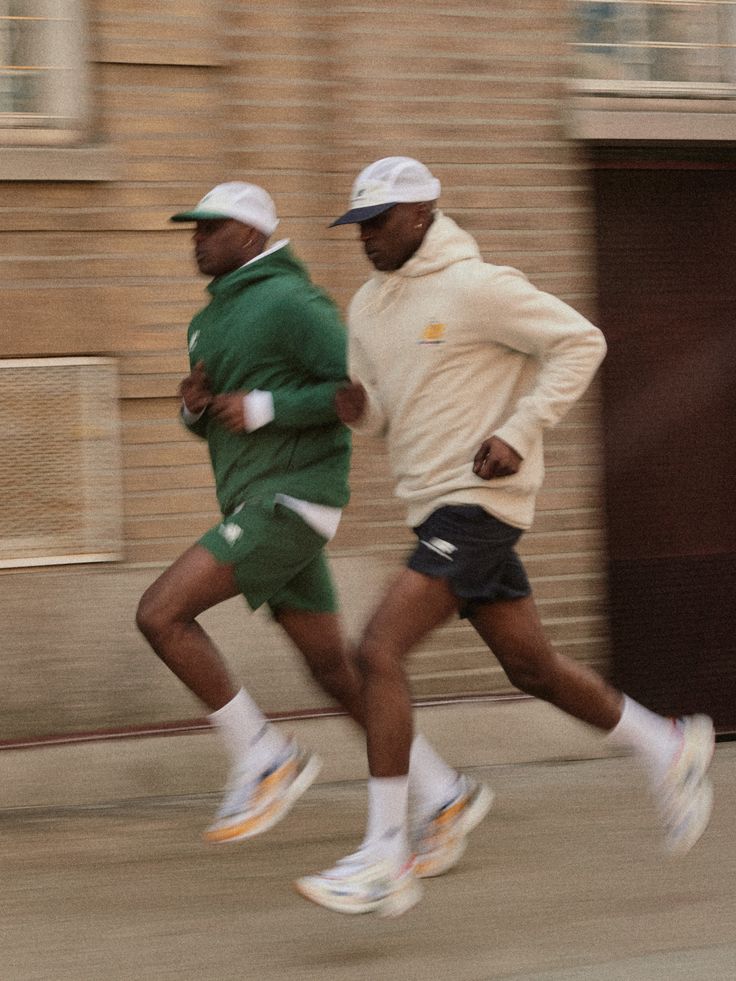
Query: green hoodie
[268,327]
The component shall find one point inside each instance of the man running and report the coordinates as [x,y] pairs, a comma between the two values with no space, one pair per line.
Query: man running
[461,365]
[267,356]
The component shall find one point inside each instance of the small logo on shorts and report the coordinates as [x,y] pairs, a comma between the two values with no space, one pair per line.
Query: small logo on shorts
[231,533]
[193,340]
[441,547]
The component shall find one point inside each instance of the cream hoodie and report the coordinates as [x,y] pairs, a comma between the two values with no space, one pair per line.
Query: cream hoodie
[452,350]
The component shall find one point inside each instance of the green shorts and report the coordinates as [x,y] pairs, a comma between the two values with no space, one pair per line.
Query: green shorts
[277,558]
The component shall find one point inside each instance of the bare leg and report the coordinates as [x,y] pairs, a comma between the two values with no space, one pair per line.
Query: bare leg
[320,639]
[677,757]
[513,631]
[167,618]
[412,607]
[334,665]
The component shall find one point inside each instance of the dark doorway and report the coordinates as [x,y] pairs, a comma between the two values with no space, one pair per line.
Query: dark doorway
[667,285]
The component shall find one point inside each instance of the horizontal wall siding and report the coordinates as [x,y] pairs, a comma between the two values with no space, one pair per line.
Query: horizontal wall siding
[299,96]
[315,91]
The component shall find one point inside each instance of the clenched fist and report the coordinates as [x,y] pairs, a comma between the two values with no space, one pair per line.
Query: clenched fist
[496,459]
[350,402]
[195,389]
[229,410]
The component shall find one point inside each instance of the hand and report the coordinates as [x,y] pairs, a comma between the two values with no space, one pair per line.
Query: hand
[229,411]
[195,389]
[496,459]
[350,402]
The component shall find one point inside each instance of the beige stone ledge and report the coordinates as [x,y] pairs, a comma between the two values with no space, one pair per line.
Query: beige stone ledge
[471,733]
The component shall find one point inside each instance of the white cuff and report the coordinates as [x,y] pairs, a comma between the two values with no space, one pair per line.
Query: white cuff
[258,408]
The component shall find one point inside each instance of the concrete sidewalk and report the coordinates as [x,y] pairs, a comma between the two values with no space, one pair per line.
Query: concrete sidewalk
[564,881]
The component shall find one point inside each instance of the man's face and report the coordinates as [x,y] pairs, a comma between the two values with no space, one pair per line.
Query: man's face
[391,238]
[220,245]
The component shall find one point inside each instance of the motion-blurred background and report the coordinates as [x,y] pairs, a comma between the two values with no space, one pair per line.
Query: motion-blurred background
[591,144]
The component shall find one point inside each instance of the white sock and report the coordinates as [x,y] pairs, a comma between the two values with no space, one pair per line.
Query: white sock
[386,835]
[250,739]
[651,737]
[432,781]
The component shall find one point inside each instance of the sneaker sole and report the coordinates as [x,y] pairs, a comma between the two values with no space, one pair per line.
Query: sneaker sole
[473,815]
[271,815]
[681,840]
[431,868]
[401,900]
[390,906]
[478,809]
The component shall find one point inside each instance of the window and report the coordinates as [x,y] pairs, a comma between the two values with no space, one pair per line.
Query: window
[43,73]
[649,70]
[676,48]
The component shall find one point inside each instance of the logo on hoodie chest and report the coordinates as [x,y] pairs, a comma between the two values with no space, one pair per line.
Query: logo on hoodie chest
[432,333]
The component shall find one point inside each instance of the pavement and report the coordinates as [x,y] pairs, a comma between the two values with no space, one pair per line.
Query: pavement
[563,881]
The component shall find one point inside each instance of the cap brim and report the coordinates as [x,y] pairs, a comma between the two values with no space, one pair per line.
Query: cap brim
[195,215]
[356,215]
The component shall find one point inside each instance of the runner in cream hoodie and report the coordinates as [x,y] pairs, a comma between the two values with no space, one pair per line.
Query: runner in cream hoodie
[461,365]
[452,349]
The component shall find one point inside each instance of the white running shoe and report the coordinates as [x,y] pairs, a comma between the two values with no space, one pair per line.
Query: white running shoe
[685,795]
[361,883]
[255,804]
[442,837]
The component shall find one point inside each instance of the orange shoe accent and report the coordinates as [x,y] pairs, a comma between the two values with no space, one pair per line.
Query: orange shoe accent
[242,829]
[271,798]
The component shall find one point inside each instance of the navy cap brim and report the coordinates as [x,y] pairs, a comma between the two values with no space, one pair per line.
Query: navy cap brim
[357,215]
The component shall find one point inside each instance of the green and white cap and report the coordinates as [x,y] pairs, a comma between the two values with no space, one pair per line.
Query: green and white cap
[248,203]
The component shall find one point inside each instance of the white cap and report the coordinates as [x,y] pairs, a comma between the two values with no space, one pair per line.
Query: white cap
[386,182]
[248,203]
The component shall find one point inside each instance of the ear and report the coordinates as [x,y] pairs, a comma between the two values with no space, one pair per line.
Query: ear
[247,233]
[255,237]
[424,211]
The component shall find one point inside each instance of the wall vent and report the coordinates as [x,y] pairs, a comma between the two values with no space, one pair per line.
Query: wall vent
[60,462]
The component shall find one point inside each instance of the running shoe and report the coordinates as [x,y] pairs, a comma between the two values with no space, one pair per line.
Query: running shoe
[252,805]
[441,838]
[685,795]
[361,883]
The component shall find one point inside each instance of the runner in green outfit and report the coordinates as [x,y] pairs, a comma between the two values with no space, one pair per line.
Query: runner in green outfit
[267,356]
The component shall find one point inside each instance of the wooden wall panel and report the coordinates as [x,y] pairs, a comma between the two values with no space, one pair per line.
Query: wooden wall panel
[299,96]
[313,92]
[167,33]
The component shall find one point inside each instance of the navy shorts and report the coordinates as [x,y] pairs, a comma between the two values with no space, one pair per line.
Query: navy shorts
[475,552]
